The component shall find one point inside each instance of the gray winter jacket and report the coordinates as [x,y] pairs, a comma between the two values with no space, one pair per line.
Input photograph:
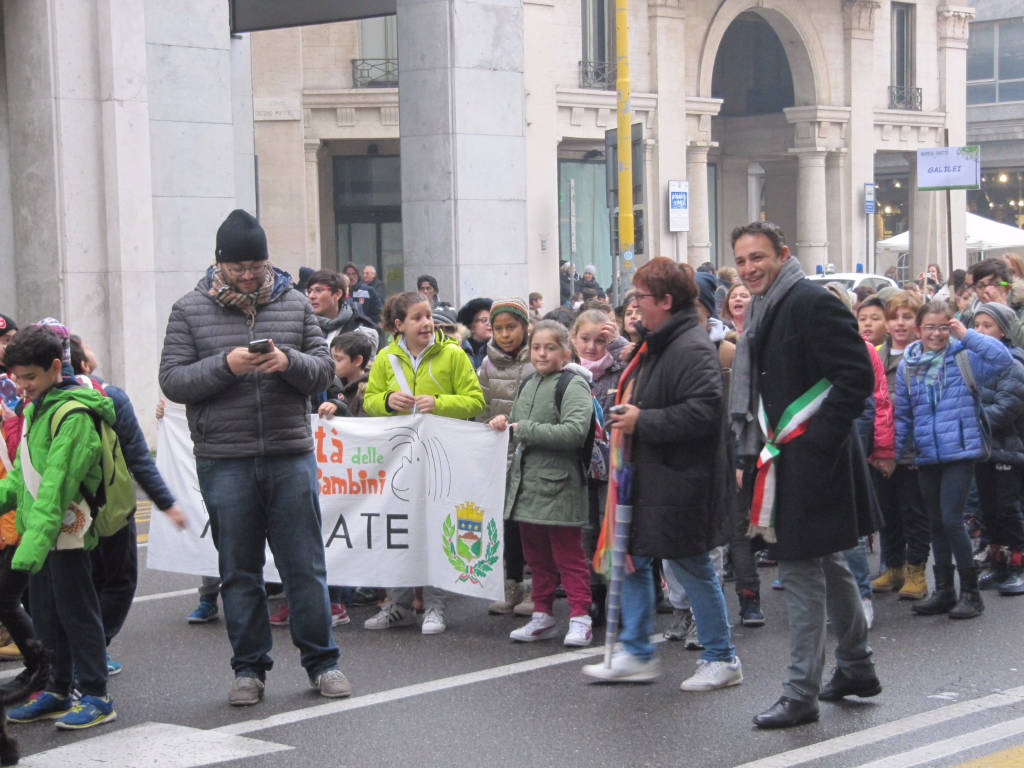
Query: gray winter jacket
[255,414]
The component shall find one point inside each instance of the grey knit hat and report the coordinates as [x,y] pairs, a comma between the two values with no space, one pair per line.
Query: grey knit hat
[1004,316]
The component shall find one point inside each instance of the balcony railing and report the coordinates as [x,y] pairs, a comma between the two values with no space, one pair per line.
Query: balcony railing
[901,97]
[597,74]
[375,73]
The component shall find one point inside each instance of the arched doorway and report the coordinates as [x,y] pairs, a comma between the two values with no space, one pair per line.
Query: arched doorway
[767,71]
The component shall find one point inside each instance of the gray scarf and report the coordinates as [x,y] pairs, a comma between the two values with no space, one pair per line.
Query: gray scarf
[743,395]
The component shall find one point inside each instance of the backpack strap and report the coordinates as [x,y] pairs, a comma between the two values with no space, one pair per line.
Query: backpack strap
[563,384]
[65,409]
[964,364]
[522,384]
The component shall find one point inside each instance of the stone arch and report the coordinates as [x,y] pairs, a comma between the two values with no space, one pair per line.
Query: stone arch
[807,61]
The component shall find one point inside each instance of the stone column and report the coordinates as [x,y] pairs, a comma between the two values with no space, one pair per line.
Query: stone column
[954,23]
[859,27]
[811,243]
[755,183]
[667,25]
[313,149]
[699,239]
[463,144]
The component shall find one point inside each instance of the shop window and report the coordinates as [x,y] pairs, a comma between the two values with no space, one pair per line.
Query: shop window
[1000,197]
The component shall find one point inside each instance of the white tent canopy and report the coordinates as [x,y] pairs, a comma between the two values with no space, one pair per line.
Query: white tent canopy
[982,235]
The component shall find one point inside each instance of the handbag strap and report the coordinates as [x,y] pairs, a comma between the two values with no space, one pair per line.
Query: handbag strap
[964,364]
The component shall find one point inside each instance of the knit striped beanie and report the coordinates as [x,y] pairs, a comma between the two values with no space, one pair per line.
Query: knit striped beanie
[514,306]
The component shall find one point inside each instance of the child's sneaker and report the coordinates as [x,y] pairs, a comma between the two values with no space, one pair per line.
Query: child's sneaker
[390,615]
[41,706]
[205,612]
[89,711]
[339,615]
[433,622]
[279,618]
[580,632]
[540,627]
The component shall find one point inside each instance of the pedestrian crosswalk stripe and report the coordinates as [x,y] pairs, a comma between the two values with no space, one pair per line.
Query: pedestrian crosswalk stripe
[889,730]
[947,747]
[138,747]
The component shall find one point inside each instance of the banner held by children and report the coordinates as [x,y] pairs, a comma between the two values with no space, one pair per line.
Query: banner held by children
[405,501]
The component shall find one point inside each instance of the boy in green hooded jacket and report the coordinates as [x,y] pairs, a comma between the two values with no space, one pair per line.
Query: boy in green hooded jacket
[56,529]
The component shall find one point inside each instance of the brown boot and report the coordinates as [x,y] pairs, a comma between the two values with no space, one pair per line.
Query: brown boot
[890,580]
[915,585]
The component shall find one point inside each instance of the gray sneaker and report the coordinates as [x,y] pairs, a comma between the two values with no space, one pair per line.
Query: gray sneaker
[332,683]
[245,691]
[692,643]
[682,620]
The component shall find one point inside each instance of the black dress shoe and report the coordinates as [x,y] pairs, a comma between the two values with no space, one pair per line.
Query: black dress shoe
[786,712]
[841,685]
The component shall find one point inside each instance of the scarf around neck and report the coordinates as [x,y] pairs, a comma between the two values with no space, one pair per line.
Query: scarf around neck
[598,367]
[743,394]
[928,366]
[229,297]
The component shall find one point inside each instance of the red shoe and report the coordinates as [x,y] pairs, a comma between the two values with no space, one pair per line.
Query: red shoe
[280,617]
[339,615]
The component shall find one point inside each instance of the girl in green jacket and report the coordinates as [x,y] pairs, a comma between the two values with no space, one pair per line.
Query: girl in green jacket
[546,491]
[420,371]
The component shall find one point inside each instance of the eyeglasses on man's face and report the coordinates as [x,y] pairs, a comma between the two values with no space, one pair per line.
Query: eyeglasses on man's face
[238,269]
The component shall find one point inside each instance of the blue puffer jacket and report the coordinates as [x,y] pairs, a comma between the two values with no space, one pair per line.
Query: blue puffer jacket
[1003,401]
[946,430]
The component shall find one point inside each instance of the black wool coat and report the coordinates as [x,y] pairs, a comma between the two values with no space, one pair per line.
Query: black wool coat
[680,447]
[824,497]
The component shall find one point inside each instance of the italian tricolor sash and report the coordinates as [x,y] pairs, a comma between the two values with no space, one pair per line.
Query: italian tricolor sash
[793,423]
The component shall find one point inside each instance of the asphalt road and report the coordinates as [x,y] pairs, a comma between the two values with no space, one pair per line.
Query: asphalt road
[953,692]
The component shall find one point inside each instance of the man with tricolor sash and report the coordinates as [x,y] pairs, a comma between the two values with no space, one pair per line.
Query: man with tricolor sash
[800,377]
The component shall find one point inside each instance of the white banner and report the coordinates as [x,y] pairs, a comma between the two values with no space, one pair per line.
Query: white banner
[949,168]
[406,501]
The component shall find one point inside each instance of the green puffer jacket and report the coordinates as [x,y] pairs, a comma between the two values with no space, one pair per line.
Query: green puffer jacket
[444,372]
[73,457]
[500,377]
[545,482]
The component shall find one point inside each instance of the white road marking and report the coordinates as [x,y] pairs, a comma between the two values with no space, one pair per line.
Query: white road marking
[878,733]
[153,745]
[408,691]
[948,747]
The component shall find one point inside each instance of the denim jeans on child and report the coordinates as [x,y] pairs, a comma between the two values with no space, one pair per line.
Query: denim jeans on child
[253,501]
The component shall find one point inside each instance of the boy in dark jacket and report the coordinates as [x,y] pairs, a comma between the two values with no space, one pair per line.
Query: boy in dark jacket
[351,353]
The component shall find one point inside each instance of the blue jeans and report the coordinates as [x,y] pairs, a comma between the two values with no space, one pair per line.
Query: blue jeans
[698,578]
[269,499]
[857,562]
[66,612]
[944,488]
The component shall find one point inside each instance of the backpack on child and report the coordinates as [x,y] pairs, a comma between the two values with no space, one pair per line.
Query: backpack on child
[594,451]
[114,500]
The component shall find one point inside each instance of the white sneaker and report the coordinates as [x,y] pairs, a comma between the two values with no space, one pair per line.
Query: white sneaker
[433,622]
[579,634]
[540,627]
[869,610]
[625,668]
[391,615]
[711,675]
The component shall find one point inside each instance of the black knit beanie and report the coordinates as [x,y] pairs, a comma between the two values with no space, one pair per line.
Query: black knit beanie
[241,238]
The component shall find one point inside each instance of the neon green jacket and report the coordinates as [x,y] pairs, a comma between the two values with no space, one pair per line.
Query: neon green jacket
[444,372]
[73,457]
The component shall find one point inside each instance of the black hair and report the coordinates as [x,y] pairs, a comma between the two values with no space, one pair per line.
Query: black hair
[35,345]
[994,267]
[427,279]
[871,301]
[354,344]
[769,229]
[335,281]
[78,357]
[562,315]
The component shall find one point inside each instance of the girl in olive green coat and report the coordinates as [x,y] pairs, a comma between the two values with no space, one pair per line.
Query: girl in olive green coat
[546,492]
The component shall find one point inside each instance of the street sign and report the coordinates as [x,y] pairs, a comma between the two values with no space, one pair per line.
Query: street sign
[869,198]
[679,206]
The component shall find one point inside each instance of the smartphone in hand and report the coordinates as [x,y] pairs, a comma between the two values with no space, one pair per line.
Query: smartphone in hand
[259,346]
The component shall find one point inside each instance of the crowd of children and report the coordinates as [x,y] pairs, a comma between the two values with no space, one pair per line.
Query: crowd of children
[943,437]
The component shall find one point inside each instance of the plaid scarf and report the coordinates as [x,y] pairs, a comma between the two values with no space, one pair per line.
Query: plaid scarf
[225,294]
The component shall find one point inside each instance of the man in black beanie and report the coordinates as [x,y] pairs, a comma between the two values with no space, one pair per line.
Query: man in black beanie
[247,408]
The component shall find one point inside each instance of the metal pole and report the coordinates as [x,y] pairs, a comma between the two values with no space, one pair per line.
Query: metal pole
[625,149]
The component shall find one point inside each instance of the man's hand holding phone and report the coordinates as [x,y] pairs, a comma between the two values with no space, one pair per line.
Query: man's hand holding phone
[261,355]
